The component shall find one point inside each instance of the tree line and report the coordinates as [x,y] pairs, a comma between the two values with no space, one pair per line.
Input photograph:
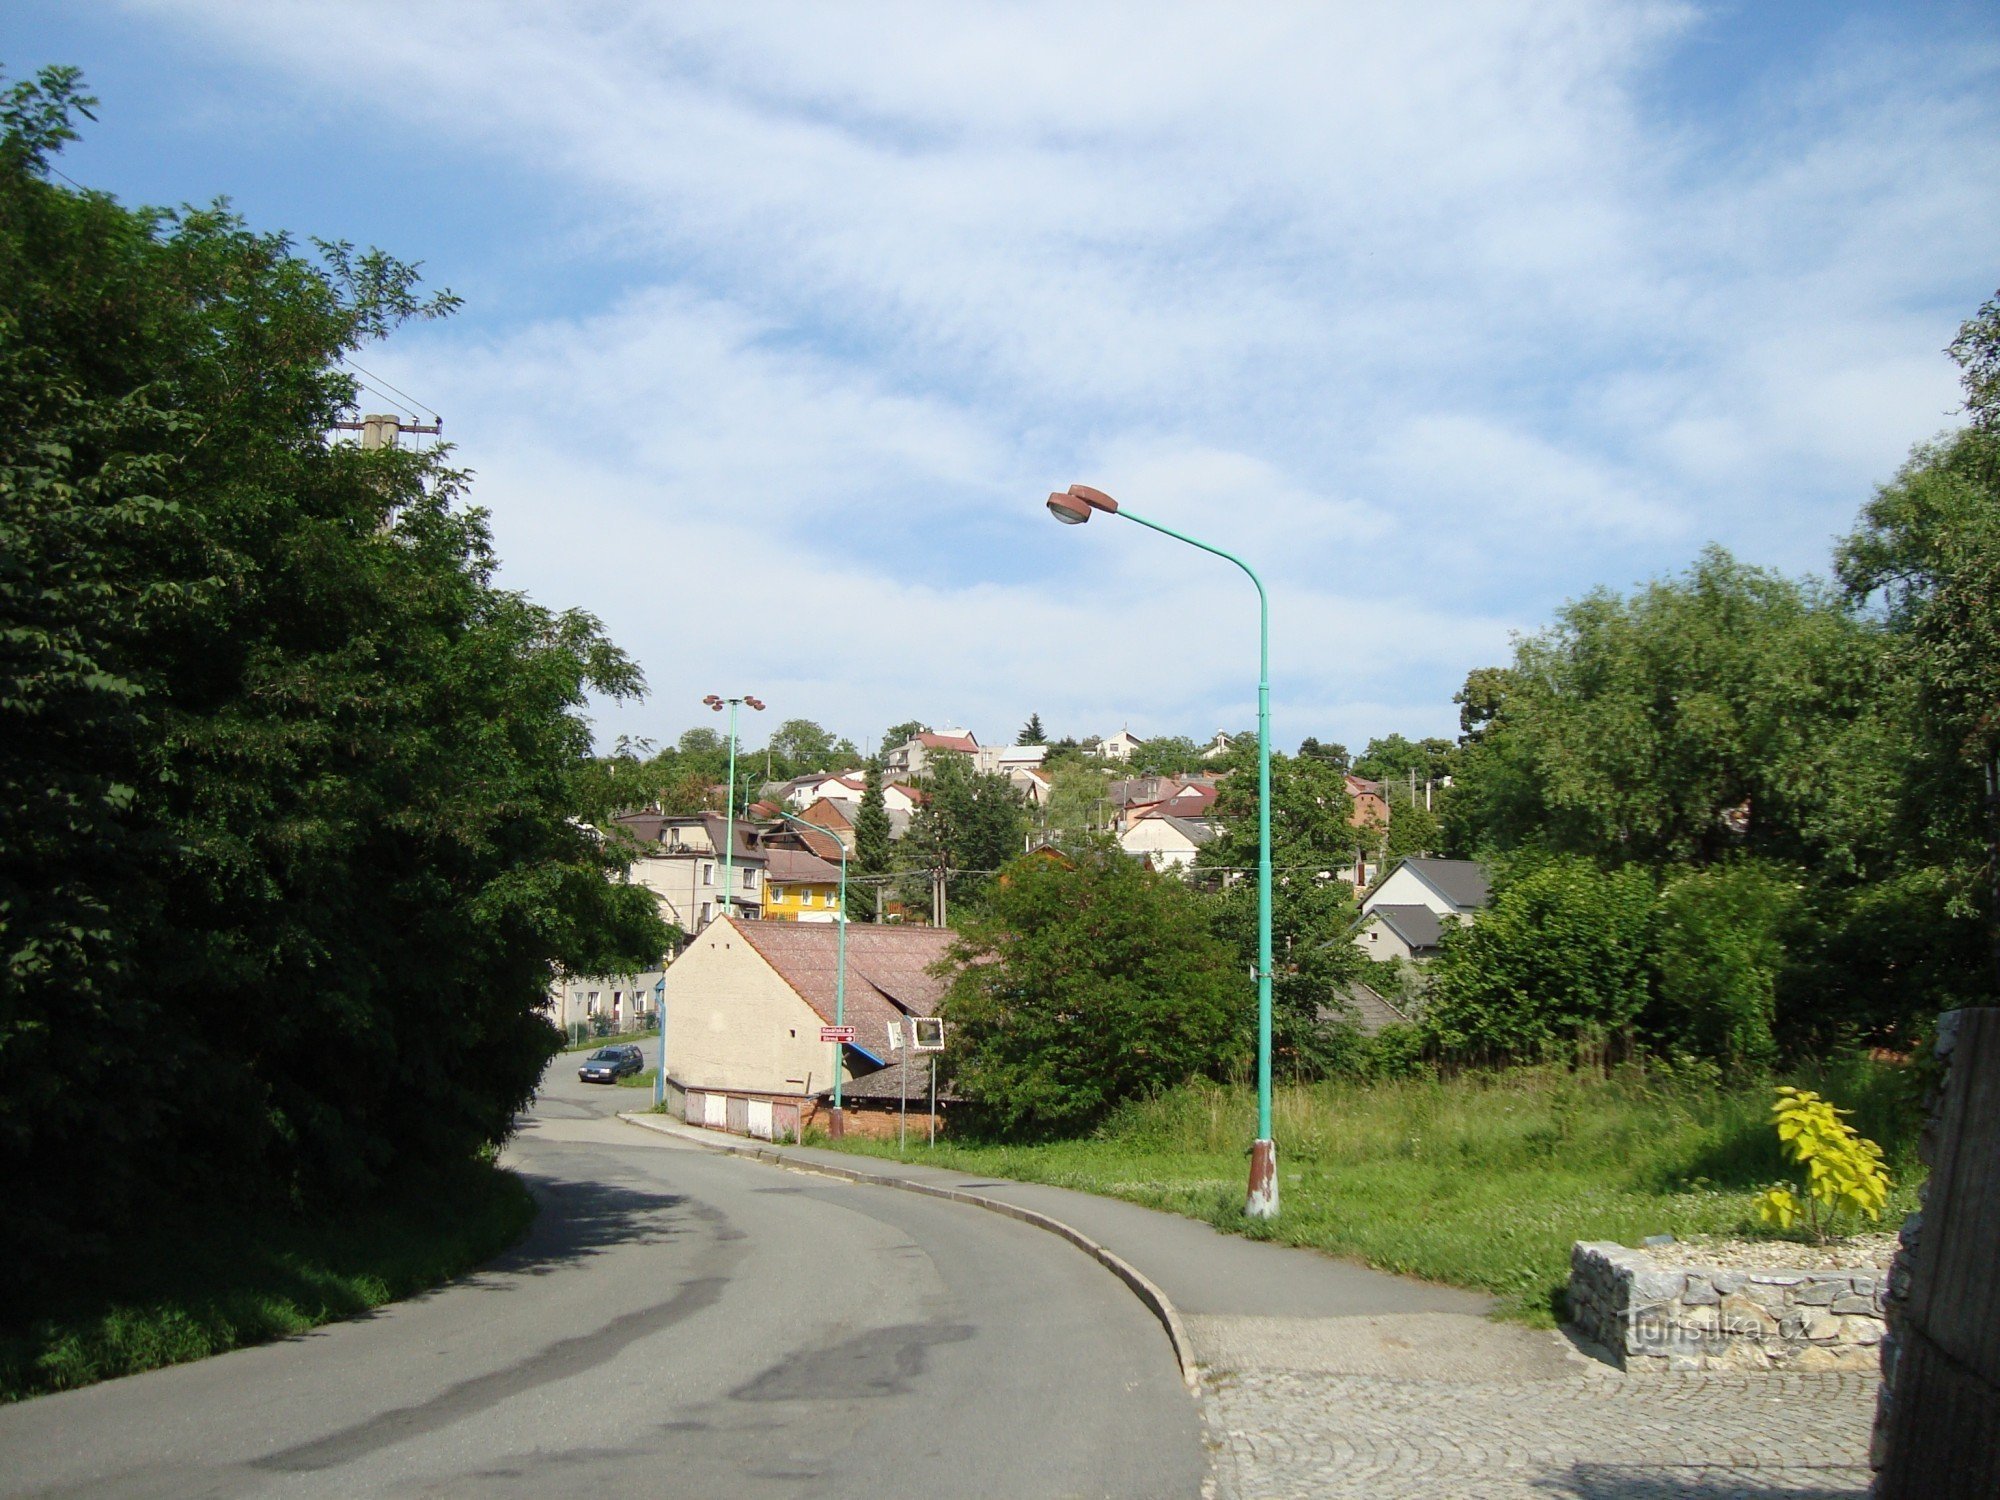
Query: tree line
[290,789]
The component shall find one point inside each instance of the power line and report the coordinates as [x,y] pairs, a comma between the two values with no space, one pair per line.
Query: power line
[415,406]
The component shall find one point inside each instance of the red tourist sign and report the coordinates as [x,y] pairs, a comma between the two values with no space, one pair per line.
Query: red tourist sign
[836,1033]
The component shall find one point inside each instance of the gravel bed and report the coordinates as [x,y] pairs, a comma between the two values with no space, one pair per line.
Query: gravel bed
[1855,1251]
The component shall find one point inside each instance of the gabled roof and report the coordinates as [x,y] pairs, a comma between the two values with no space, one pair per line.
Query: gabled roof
[961,742]
[886,969]
[1462,882]
[1417,926]
[797,867]
[1194,830]
[1370,1011]
[745,845]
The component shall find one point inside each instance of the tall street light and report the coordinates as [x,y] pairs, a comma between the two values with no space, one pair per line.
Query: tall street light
[1073,507]
[729,801]
[837,1126]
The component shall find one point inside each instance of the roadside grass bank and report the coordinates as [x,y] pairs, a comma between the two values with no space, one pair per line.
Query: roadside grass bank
[1481,1181]
[218,1278]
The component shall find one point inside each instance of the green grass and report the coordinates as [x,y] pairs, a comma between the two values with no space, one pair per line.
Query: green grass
[1481,1182]
[225,1278]
[642,1080]
[592,1043]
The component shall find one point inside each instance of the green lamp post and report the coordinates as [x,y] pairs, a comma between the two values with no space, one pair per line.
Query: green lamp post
[836,1126]
[1073,507]
[729,799]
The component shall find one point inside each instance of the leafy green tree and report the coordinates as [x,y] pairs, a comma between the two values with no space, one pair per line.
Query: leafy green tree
[1085,983]
[800,746]
[1332,752]
[1031,732]
[1169,755]
[971,823]
[873,857]
[1719,948]
[1310,828]
[903,733]
[275,752]
[1928,551]
[1726,711]
[1312,962]
[1396,759]
[1078,805]
[1558,958]
[706,743]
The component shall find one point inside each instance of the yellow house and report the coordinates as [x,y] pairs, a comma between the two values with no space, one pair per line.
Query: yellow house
[800,887]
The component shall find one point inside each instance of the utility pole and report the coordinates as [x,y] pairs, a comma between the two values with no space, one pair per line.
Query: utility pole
[380,430]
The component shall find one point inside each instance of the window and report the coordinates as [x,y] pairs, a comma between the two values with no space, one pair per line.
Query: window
[777,893]
[809,897]
[704,913]
[749,877]
[708,874]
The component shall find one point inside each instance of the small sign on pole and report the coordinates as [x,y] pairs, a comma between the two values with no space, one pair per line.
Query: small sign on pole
[836,1033]
[927,1033]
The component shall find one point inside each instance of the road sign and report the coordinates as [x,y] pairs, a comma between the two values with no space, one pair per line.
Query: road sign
[927,1033]
[836,1033]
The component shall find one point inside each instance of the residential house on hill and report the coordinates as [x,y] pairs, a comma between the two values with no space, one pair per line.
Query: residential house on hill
[745,1003]
[1120,746]
[910,757]
[680,862]
[799,886]
[1164,841]
[1405,916]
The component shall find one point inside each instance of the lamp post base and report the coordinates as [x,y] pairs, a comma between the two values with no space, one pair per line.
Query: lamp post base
[1263,1200]
[836,1123]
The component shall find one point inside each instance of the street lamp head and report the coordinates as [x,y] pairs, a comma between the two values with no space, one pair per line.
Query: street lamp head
[1067,509]
[1074,506]
[756,703]
[713,702]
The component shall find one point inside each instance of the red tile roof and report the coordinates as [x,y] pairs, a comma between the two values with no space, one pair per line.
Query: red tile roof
[886,969]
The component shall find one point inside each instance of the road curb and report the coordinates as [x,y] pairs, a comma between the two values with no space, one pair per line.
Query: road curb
[1140,1284]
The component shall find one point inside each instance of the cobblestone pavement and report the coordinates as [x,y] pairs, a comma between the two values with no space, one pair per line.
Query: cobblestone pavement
[1583,1435]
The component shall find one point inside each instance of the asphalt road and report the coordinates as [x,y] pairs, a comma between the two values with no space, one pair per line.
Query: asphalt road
[678,1323]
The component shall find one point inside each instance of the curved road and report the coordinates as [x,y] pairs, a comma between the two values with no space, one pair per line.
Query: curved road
[678,1323]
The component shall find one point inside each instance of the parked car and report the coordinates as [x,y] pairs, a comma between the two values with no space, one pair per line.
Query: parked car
[609,1064]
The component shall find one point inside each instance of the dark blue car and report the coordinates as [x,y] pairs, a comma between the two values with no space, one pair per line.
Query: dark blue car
[609,1064]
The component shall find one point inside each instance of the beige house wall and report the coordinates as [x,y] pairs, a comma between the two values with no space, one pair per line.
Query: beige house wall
[733,1024]
[1404,888]
[1379,941]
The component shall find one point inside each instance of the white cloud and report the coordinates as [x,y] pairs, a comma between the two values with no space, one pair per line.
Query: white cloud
[1436,313]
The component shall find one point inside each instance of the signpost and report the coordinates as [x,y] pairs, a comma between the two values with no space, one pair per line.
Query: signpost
[836,1033]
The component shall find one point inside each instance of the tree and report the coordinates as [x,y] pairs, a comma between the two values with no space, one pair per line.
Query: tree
[1310,828]
[801,746]
[1332,752]
[1928,550]
[1084,983]
[971,823]
[1031,732]
[1312,963]
[1077,807]
[872,854]
[1396,759]
[275,752]
[903,733]
[1169,755]
[1727,711]
[1558,958]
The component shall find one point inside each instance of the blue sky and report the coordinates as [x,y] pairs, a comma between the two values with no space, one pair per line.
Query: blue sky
[782,319]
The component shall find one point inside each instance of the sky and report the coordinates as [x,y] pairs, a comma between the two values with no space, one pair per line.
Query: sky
[781,320]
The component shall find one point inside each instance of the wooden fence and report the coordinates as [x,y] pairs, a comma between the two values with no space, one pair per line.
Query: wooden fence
[1937,1433]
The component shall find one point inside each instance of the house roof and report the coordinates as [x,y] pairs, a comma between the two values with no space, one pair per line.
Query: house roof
[797,867]
[745,845]
[886,969]
[828,813]
[1370,1011]
[1361,786]
[1417,926]
[1194,830]
[1462,882]
[888,1082]
[964,742]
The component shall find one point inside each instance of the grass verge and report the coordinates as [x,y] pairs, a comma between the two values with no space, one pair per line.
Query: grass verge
[225,1277]
[1478,1181]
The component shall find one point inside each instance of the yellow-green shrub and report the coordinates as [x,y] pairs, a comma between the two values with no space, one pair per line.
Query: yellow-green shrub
[1844,1170]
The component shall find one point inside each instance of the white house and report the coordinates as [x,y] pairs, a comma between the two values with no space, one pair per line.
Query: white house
[910,757]
[1119,746]
[1165,842]
[1406,915]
